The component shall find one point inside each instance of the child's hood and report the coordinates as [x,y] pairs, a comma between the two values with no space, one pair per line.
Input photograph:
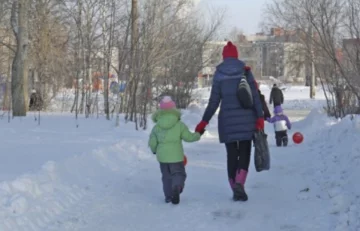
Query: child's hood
[166,119]
[278,110]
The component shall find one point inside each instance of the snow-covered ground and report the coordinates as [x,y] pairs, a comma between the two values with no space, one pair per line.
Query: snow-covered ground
[57,176]
[296,97]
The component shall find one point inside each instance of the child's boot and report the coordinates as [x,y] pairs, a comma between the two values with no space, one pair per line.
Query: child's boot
[176,195]
[278,142]
[285,141]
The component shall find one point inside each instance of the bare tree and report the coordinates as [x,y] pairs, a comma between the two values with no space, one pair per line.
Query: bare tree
[108,34]
[48,39]
[19,80]
[133,81]
[169,56]
[154,48]
[122,41]
[322,27]
[7,52]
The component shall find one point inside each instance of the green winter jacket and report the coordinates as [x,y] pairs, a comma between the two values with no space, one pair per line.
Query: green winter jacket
[167,135]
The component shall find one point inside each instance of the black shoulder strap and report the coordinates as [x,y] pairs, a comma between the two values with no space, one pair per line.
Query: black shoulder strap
[245,74]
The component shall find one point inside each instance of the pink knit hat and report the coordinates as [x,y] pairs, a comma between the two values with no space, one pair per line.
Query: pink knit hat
[167,103]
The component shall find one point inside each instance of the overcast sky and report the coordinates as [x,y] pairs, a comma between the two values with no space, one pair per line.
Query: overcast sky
[244,14]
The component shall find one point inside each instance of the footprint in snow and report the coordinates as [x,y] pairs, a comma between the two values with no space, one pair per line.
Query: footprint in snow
[289,228]
[261,185]
[227,213]
[70,222]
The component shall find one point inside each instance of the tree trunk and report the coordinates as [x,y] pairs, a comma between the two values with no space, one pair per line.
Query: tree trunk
[89,81]
[107,40]
[106,91]
[7,98]
[132,88]
[82,101]
[19,78]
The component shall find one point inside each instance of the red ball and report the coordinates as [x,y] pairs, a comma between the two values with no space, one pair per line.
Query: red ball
[298,138]
[185,160]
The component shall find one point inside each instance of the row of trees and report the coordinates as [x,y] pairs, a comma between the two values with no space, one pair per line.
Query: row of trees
[154,46]
[329,34]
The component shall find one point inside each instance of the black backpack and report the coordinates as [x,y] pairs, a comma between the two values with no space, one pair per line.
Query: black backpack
[244,93]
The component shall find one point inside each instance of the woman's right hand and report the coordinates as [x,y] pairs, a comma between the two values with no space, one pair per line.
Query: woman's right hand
[260,124]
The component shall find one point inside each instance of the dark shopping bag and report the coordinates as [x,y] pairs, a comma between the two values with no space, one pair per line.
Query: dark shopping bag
[262,153]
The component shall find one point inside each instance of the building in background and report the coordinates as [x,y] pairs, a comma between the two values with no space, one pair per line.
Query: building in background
[211,57]
[351,54]
[279,54]
[294,62]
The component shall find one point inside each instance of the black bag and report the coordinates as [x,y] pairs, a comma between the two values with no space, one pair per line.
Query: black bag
[244,93]
[262,153]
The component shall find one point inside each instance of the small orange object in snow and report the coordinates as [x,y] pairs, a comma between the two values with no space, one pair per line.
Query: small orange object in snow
[298,138]
[185,160]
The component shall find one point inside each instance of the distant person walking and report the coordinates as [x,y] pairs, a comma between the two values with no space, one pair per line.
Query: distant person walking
[36,101]
[276,96]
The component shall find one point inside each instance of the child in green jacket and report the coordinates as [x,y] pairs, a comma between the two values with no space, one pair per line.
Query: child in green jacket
[166,142]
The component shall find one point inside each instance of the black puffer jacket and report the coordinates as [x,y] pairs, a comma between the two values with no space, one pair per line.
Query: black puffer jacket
[276,96]
[36,102]
[265,108]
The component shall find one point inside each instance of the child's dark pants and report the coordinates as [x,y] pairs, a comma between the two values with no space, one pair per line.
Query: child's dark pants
[281,138]
[173,176]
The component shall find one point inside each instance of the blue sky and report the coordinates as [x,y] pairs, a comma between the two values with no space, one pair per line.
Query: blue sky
[244,14]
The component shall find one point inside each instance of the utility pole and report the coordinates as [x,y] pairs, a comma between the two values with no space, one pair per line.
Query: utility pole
[312,76]
[313,79]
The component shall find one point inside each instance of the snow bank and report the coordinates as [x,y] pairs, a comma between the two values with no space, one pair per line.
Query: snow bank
[315,121]
[36,201]
[296,97]
[341,155]
[333,146]
[48,170]
[33,201]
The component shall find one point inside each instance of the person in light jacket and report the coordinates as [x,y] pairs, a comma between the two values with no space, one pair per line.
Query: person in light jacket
[281,125]
[165,142]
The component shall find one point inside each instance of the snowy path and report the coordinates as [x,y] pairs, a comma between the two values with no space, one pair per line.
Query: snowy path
[118,187]
[135,202]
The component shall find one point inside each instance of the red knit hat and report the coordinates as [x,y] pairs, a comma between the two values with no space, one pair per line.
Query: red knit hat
[230,51]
